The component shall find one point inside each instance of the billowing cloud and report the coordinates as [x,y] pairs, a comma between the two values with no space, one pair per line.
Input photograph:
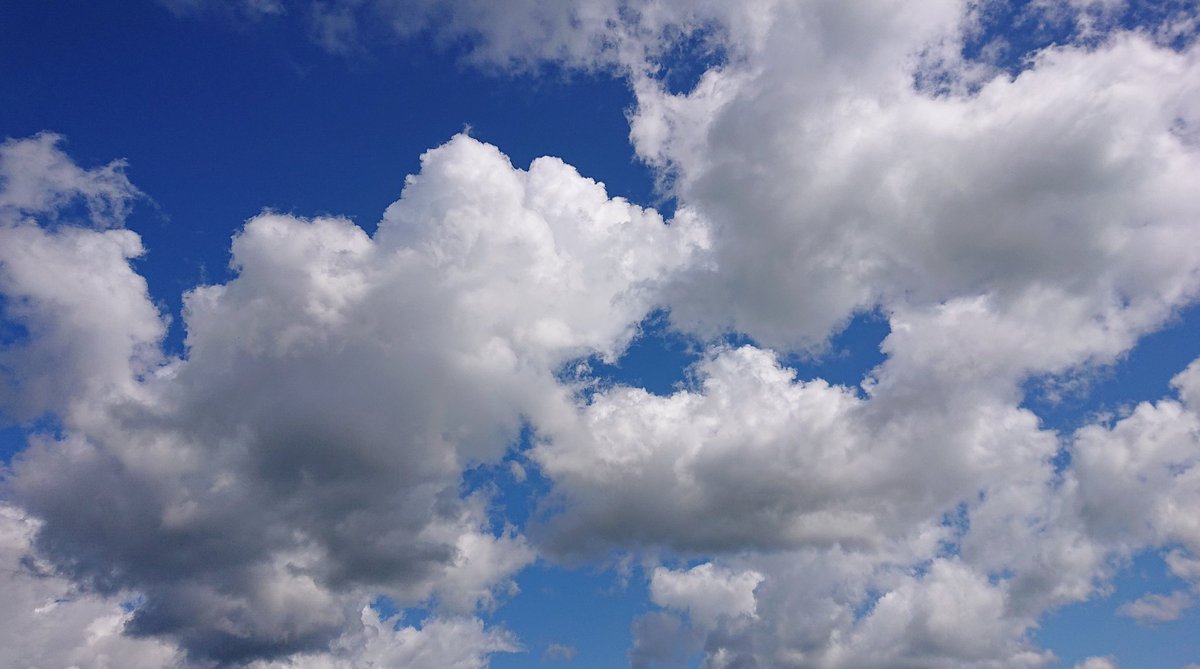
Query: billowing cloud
[305,455]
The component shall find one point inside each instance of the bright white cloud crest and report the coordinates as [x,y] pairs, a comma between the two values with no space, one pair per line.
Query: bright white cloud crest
[305,456]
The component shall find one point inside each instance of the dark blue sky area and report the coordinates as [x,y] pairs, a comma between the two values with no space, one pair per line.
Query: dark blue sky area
[219,121]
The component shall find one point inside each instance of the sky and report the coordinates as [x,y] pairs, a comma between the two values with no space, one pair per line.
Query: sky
[600,333]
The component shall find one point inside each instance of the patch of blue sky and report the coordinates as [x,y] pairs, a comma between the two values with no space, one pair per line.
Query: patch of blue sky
[15,437]
[688,57]
[660,359]
[13,331]
[657,360]
[515,487]
[1094,628]
[233,125]
[1143,374]
[1010,32]
[846,359]
[850,355]
[589,610]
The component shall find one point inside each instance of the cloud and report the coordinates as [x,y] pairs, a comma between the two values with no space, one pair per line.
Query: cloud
[557,652]
[37,178]
[1155,608]
[705,592]
[851,190]
[46,621]
[1136,476]
[446,642]
[1097,663]
[89,326]
[661,640]
[304,457]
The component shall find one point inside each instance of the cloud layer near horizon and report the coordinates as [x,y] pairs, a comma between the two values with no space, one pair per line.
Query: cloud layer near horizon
[247,502]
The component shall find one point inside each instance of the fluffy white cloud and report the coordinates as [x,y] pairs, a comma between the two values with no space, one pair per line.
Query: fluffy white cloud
[90,328]
[705,592]
[753,458]
[40,179]
[839,189]
[305,455]
[853,501]
[1138,477]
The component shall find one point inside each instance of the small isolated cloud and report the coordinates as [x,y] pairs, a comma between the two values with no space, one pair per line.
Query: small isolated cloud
[1155,608]
[1098,663]
[517,470]
[559,652]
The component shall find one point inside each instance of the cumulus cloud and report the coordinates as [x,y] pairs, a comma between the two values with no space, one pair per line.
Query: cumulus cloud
[1136,477]
[304,456]
[90,328]
[705,592]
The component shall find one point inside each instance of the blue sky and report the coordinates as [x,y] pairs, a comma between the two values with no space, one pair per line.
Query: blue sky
[829,335]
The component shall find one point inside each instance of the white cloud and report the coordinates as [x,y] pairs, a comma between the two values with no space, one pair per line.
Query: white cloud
[1155,608]
[39,179]
[1138,477]
[850,190]
[91,328]
[949,617]
[305,455]
[1097,663]
[705,592]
